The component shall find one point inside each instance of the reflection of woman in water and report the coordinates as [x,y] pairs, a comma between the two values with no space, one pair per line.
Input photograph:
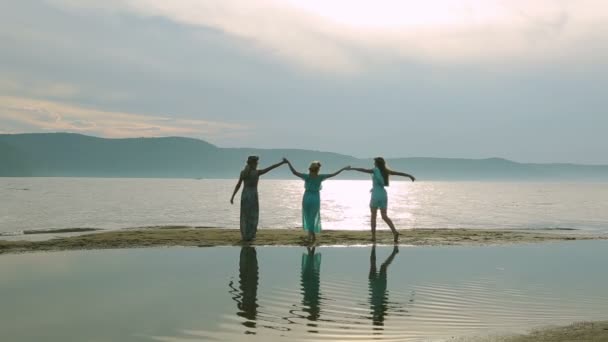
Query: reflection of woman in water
[311,283]
[246,296]
[250,208]
[377,286]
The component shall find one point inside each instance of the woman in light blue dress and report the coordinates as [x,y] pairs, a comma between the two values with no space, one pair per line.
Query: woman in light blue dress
[379,198]
[250,207]
[311,201]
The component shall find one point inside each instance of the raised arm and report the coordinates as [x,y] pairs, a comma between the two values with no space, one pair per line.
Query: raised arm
[397,173]
[336,173]
[296,173]
[360,169]
[236,189]
[271,167]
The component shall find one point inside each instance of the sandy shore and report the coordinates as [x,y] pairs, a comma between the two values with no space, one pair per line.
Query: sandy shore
[207,237]
[582,331]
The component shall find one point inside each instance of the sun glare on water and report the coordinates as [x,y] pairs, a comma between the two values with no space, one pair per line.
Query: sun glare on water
[396,14]
[345,204]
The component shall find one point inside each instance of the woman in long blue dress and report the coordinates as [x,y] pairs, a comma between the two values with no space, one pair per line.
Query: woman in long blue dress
[250,207]
[379,198]
[311,201]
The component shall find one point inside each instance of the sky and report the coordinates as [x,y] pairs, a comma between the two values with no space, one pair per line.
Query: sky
[516,79]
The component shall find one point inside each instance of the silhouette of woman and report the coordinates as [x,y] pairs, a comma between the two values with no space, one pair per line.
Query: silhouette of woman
[246,295]
[311,201]
[311,283]
[250,208]
[379,200]
[377,286]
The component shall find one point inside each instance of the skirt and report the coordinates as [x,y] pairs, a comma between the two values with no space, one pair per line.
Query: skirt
[250,213]
[311,211]
[379,198]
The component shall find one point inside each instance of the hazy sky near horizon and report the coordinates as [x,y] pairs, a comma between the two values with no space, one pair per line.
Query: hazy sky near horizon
[523,80]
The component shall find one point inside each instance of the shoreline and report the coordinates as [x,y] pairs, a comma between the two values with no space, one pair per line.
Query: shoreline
[211,237]
[578,331]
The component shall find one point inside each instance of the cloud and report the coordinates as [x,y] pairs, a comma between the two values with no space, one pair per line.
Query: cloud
[277,29]
[14,268]
[340,35]
[26,85]
[18,114]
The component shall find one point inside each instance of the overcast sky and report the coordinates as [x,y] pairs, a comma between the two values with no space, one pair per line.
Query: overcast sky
[523,80]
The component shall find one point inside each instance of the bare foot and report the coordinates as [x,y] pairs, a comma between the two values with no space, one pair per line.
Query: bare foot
[395,237]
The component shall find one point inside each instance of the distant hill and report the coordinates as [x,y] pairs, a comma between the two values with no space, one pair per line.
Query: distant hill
[75,155]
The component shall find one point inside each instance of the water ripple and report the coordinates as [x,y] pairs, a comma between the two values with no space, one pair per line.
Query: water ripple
[343,310]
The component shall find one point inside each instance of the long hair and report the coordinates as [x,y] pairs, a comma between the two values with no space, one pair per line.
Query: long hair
[381,164]
[249,166]
[246,171]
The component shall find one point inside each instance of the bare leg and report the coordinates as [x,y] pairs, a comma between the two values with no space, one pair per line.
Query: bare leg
[388,260]
[373,222]
[390,224]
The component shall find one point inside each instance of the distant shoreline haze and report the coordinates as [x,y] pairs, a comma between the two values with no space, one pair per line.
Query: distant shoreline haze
[76,155]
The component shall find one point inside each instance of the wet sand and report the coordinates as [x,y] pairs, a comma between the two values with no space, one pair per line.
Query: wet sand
[581,331]
[208,237]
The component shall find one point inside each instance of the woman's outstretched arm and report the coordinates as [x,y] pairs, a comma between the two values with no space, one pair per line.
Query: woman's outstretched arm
[397,173]
[360,169]
[336,173]
[271,167]
[296,173]
[236,189]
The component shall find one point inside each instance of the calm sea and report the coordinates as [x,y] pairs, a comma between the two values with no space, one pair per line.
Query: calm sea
[50,203]
[272,294]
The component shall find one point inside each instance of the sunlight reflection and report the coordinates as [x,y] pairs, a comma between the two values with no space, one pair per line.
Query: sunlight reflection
[121,203]
[345,204]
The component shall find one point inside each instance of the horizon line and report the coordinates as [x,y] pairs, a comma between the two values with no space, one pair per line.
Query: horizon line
[303,149]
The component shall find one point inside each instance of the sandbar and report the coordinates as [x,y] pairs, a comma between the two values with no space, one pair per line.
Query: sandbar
[208,237]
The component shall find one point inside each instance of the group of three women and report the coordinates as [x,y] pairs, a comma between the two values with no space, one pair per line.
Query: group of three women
[311,201]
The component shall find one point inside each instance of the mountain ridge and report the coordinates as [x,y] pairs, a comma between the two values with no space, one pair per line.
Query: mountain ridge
[78,155]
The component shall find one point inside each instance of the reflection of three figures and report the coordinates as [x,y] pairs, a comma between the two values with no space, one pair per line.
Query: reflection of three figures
[310,283]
